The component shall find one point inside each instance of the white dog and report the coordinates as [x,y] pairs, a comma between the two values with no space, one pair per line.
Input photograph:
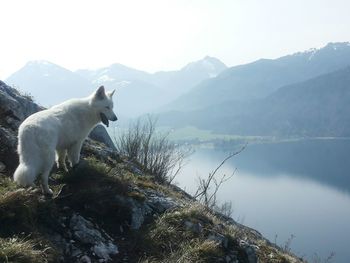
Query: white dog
[61,130]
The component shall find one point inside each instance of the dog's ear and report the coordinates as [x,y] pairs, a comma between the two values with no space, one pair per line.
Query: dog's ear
[110,93]
[100,93]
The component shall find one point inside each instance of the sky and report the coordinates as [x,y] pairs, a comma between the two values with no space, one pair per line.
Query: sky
[154,35]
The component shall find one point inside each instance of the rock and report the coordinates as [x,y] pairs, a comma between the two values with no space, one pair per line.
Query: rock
[99,150]
[75,251]
[249,251]
[154,203]
[251,255]
[2,167]
[86,233]
[158,202]
[139,210]
[83,230]
[103,250]
[194,227]
[100,134]
[219,238]
[14,107]
[8,154]
[137,217]
[134,169]
[84,259]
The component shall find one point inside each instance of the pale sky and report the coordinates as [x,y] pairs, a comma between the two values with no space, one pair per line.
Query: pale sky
[155,35]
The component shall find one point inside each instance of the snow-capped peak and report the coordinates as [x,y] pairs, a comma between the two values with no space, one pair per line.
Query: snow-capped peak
[210,65]
[103,79]
[39,62]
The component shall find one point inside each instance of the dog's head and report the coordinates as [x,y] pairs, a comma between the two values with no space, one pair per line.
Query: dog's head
[103,103]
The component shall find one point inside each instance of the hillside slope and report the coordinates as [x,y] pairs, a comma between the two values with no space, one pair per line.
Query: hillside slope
[109,210]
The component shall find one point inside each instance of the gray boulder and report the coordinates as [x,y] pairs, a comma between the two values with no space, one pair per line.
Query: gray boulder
[100,134]
[85,232]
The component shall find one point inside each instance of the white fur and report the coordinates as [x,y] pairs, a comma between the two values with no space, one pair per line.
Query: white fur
[56,133]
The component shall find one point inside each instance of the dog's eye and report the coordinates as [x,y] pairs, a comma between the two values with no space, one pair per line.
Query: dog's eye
[108,108]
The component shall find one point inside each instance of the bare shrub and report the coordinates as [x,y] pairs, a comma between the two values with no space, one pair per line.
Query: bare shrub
[208,187]
[226,208]
[152,150]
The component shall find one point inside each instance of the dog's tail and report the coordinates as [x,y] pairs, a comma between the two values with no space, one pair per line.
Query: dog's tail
[24,175]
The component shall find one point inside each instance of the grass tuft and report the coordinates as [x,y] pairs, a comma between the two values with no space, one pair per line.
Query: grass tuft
[168,235]
[18,210]
[22,250]
[7,184]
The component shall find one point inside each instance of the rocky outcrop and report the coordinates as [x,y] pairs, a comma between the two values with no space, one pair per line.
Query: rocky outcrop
[100,134]
[154,204]
[80,240]
[15,107]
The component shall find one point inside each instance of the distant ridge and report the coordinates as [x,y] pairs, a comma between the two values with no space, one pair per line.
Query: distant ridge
[317,107]
[262,77]
[138,92]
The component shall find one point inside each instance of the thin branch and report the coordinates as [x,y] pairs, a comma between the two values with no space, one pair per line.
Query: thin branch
[204,184]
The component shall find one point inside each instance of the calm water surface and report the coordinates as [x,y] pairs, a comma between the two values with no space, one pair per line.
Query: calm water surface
[293,188]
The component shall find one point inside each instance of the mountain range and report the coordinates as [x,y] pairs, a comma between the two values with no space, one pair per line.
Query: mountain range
[303,94]
[138,92]
[316,107]
[262,77]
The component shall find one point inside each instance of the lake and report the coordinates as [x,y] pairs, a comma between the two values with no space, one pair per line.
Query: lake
[299,188]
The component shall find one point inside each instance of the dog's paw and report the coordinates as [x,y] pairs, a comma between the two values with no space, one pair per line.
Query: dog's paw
[48,192]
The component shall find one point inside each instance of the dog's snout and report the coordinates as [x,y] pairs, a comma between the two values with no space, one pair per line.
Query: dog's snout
[114,118]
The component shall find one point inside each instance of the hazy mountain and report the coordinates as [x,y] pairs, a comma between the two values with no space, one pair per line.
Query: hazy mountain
[138,92]
[168,84]
[179,82]
[261,78]
[49,83]
[135,92]
[316,107]
[114,73]
[134,98]
[176,81]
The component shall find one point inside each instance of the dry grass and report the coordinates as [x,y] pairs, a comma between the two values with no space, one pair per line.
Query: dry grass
[23,250]
[6,184]
[18,211]
[22,213]
[196,251]
[169,239]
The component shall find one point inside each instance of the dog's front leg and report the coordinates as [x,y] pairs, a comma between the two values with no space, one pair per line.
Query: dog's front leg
[74,153]
[61,159]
